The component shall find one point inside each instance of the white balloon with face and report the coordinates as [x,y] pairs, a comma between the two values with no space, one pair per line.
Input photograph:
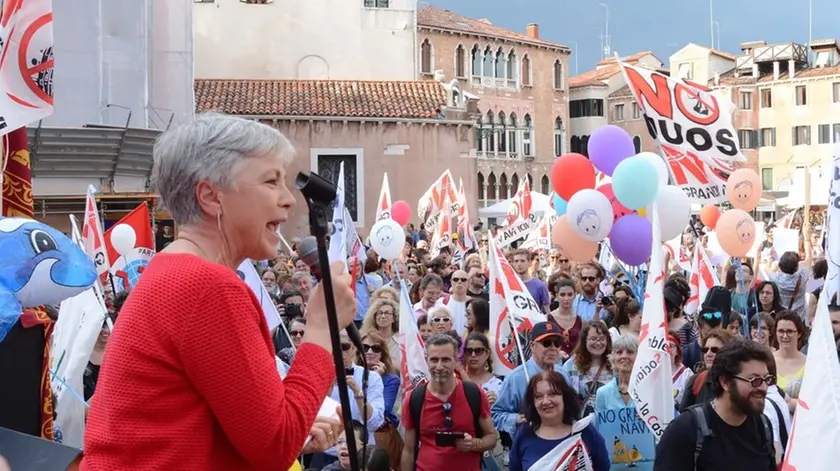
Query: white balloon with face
[590,214]
[387,238]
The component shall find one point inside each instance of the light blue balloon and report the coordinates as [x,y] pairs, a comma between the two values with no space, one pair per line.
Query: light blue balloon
[635,183]
[559,204]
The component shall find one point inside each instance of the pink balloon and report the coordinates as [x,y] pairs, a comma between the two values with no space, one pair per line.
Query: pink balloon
[619,210]
[735,232]
[570,243]
[401,212]
[743,188]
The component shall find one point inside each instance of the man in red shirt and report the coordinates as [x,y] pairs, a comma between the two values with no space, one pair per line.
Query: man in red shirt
[446,410]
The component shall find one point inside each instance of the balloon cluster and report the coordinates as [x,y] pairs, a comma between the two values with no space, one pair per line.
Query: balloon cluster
[620,209]
[387,236]
[735,228]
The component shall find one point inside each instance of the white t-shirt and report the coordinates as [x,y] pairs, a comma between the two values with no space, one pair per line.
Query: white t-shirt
[776,398]
[458,311]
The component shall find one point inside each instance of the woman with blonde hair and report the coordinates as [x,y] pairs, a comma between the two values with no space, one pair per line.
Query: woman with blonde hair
[379,360]
[383,317]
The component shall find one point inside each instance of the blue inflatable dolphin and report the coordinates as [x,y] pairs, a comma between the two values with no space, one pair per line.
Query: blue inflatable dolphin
[38,265]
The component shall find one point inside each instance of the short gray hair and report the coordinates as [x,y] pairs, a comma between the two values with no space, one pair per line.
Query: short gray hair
[438,340]
[626,342]
[213,147]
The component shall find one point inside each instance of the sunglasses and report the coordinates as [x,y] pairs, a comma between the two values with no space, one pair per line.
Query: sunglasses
[345,347]
[372,348]
[710,349]
[562,260]
[712,315]
[474,352]
[479,275]
[769,380]
[447,420]
[296,333]
[441,320]
[459,280]
[588,278]
[552,342]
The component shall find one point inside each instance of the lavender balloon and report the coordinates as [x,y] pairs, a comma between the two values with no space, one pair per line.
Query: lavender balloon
[631,239]
[608,146]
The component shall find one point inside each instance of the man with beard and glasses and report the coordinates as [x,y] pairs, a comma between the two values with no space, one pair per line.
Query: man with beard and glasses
[447,421]
[587,304]
[730,432]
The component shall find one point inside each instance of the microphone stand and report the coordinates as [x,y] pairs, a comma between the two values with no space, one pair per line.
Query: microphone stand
[318,228]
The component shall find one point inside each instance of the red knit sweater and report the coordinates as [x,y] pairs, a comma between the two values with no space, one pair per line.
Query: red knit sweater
[189,380]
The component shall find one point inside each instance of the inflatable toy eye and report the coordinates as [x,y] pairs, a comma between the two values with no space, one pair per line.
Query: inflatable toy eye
[41,241]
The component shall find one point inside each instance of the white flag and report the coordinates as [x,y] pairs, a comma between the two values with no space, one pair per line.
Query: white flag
[383,206]
[338,236]
[413,367]
[249,275]
[570,455]
[651,383]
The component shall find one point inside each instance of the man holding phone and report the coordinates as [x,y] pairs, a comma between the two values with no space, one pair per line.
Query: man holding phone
[447,421]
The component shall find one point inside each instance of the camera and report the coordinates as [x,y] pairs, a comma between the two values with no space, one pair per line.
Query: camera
[292,310]
[607,301]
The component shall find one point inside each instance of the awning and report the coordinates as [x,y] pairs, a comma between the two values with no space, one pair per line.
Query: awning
[540,203]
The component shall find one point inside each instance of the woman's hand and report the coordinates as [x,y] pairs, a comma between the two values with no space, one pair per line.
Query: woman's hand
[378,367]
[491,398]
[323,435]
[317,326]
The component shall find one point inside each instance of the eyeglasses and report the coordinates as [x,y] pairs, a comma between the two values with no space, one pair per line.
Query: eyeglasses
[296,333]
[710,349]
[552,342]
[479,275]
[345,347]
[384,313]
[596,340]
[459,280]
[769,380]
[786,332]
[372,348]
[474,352]
[447,420]
[562,260]
[441,320]
[712,315]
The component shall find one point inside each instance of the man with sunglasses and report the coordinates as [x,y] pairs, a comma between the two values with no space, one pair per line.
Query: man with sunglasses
[476,284]
[587,304]
[546,340]
[457,302]
[731,431]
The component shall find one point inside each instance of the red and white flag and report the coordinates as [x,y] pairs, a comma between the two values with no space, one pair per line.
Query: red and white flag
[651,385]
[512,312]
[701,280]
[93,237]
[467,240]
[130,245]
[413,367]
[520,221]
[442,236]
[570,455]
[383,205]
[26,63]
[441,195]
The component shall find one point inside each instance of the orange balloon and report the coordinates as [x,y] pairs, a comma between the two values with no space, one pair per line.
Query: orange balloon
[709,215]
[743,188]
[736,232]
[570,243]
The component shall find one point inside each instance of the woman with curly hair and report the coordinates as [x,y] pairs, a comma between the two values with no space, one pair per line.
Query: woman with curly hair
[383,317]
[590,368]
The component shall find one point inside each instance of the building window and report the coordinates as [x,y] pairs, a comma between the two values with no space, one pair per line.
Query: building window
[637,112]
[512,134]
[502,133]
[745,103]
[327,162]
[559,137]
[503,187]
[767,179]
[835,131]
[584,146]
[576,144]
[490,132]
[488,62]
[501,64]
[376,3]
[481,187]
[767,137]
[491,187]
[637,143]
[426,57]
[511,66]
[588,107]
[801,95]
[766,97]
[558,75]
[514,184]
[685,71]
[747,138]
[801,135]
[835,92]
[460,62]
[476,61]
[527,140]
[618,112]
[824,134]
[526,70]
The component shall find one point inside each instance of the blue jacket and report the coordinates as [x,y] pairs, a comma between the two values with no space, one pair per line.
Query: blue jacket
[509,403]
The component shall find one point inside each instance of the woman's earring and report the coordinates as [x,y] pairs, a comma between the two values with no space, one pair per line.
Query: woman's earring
[219,220]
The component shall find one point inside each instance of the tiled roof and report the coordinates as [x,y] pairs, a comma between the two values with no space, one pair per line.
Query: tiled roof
[438,18]
[729,78]
[622,92]
[632,60]
[594,78]
[723,54]
[338,98]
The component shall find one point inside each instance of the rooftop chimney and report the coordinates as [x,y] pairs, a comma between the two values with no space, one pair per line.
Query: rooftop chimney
[533,31]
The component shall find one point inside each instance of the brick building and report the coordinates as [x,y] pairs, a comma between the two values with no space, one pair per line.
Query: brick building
[520,81]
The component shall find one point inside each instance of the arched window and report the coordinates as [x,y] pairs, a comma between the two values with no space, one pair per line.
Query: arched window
[526,70]
[637,143]
[488,62]
[545,185]
[558,75]
[512,134]
[481,188]
[479,135]
[426,57]
[584,145]
[476,61]
[502,132]
[559,137]
[576,144]
[527,137]
[491,187]
[460,62]
[501,64]
[503,187]
[490,132]
[514,184]
[511,66]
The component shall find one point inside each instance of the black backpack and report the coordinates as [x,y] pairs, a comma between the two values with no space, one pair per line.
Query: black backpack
[418,397]
[703,432]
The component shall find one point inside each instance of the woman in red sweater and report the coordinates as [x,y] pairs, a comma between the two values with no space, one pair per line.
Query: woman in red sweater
[189,380]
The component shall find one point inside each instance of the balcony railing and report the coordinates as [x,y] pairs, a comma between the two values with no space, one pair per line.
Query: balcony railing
[492,82]
[498,155]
